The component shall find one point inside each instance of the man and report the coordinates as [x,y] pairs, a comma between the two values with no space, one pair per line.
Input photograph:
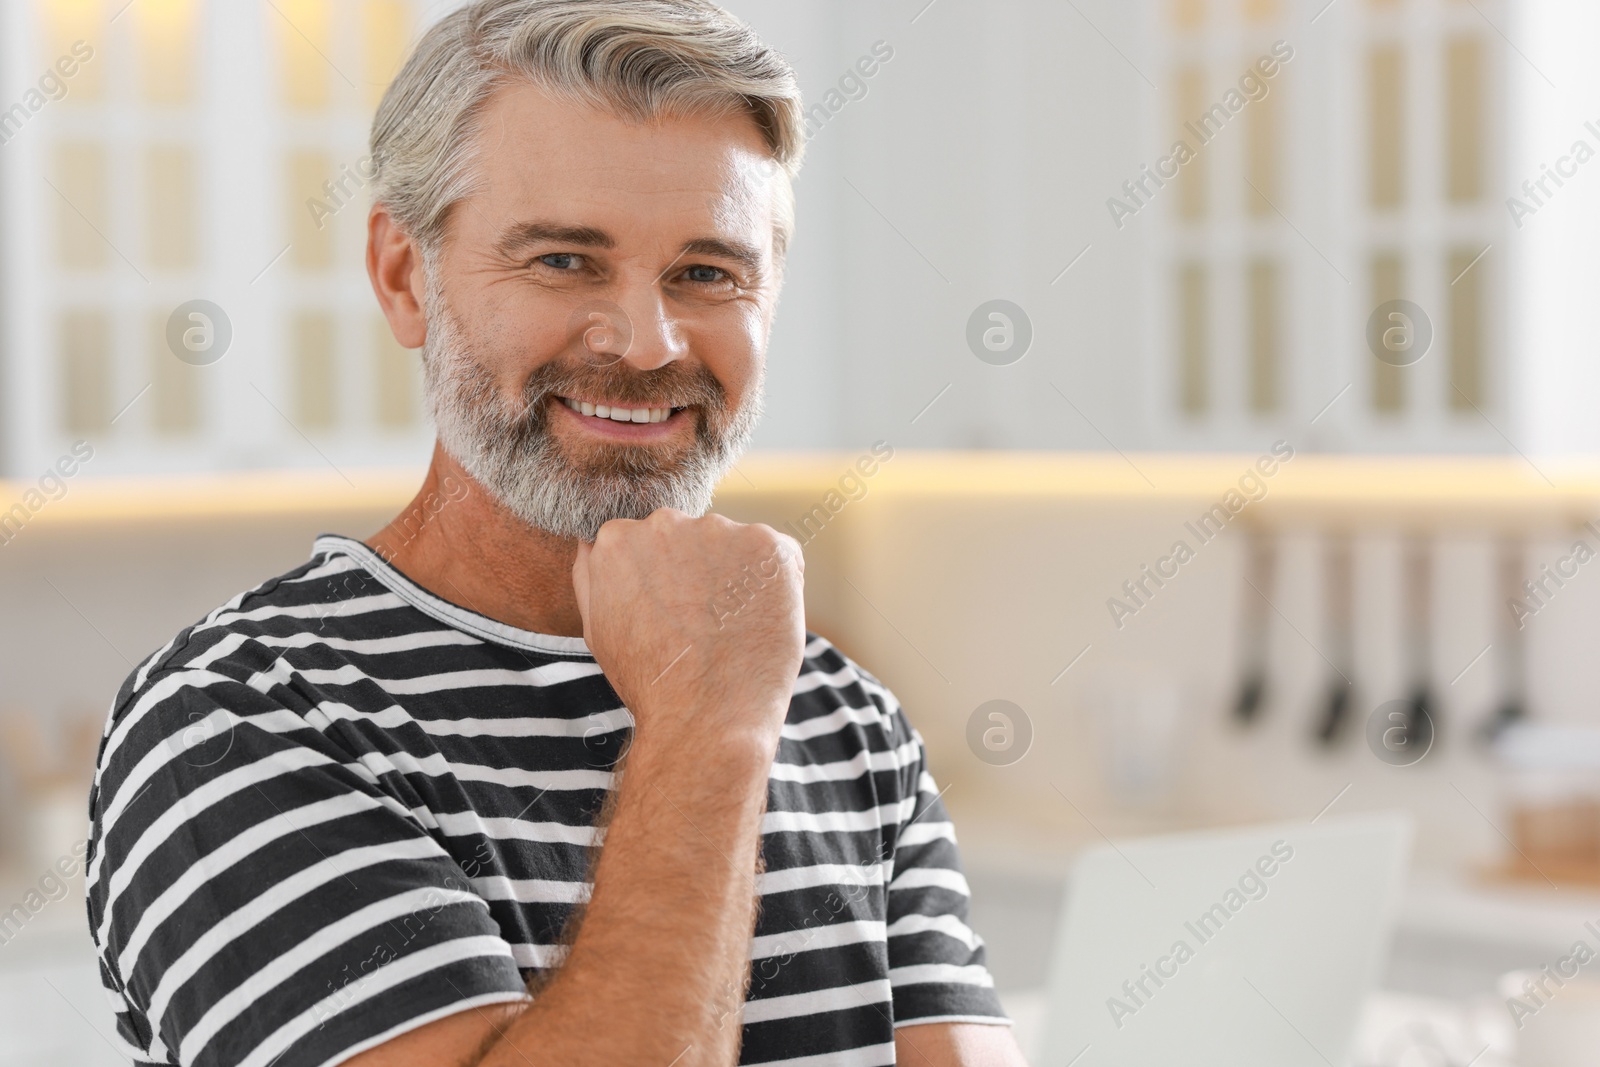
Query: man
[510,782]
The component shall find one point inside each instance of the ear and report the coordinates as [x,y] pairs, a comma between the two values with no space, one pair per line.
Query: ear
[394,264]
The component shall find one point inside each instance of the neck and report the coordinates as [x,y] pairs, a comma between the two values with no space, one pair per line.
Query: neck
[459,543]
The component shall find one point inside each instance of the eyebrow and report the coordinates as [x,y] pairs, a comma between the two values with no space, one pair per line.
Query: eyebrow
[742,254]
[523,234]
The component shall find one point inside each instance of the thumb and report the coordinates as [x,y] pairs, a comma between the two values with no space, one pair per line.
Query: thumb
[580,582]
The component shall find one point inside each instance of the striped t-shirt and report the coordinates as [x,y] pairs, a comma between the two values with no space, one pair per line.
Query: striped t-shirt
[340,807]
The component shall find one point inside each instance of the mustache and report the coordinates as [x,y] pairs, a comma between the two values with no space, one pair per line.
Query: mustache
[671,385]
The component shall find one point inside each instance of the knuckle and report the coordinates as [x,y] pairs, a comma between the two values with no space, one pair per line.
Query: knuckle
[786,543]
[717,527]
[612,531]
[771,542]
[758,534]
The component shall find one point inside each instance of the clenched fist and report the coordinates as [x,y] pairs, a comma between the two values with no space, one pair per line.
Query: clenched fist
[699,625]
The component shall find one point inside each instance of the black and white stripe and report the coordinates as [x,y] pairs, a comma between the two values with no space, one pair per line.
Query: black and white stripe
[339,807]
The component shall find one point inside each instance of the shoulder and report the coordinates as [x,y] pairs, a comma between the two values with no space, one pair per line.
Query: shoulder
[301,599]
[831,682]
[301,605]
[227,659]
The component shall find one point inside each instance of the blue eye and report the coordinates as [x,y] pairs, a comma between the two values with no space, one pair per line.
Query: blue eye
[704,275]
[560,260]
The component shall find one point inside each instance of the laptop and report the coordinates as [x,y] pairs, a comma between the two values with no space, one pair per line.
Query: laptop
[1250,947]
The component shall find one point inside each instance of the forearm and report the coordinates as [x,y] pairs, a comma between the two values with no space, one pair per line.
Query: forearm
[656,973]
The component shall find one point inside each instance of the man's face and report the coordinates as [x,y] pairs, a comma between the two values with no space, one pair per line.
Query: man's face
[603,266]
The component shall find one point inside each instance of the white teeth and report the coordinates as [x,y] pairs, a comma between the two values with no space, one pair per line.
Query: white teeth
[618,414]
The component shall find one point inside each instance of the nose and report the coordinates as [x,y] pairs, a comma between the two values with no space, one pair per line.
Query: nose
[638,328]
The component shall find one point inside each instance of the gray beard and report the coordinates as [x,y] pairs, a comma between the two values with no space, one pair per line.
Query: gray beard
[507,447]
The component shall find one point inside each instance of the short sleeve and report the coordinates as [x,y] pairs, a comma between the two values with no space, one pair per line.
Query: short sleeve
[257,897]
[936,962]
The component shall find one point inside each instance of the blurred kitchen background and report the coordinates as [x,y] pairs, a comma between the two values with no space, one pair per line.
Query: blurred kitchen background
[1372,272]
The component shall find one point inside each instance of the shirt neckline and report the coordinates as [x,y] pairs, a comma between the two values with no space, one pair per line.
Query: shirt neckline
[453,615]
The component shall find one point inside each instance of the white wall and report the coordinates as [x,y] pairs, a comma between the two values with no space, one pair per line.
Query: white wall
[1555,253]
[975,168]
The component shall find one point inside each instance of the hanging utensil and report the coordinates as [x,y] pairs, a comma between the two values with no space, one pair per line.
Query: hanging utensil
[1338,577]
[1511,641]
[1260,571]
[1420,725]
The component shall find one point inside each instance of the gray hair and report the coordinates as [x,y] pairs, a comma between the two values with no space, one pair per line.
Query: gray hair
[639,58]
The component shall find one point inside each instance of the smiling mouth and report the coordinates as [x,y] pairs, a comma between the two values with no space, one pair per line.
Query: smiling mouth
[618,413]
